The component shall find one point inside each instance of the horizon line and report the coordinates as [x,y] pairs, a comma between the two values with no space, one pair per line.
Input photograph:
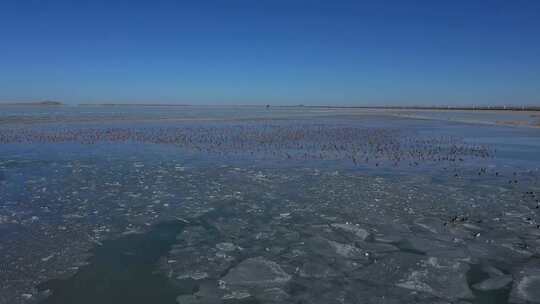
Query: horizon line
[511,107]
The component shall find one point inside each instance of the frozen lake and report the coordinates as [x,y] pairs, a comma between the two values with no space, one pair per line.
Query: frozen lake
[123,204]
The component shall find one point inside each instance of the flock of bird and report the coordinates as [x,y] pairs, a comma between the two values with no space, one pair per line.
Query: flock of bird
[287,141]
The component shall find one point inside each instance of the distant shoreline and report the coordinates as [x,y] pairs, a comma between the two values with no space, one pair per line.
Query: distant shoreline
[444,108]
[134,105]
[451,108]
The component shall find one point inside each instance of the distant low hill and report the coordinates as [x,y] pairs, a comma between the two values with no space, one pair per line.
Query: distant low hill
[39,103]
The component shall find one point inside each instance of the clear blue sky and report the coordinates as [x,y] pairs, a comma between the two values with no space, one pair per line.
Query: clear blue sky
[271,51]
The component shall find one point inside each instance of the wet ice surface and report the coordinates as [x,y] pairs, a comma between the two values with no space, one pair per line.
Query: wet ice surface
[270,211]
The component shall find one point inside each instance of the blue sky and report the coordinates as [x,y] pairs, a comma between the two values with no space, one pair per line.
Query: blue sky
[277,51]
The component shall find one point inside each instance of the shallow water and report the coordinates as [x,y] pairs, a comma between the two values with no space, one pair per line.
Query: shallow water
[289,206]
[121,270]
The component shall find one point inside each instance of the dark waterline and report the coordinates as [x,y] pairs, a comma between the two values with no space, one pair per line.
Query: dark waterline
[121,271]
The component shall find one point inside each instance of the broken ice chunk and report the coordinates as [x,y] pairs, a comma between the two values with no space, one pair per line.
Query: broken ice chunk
[494,283]
[526,288]
[361,233]
[226,246]
[256,272]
